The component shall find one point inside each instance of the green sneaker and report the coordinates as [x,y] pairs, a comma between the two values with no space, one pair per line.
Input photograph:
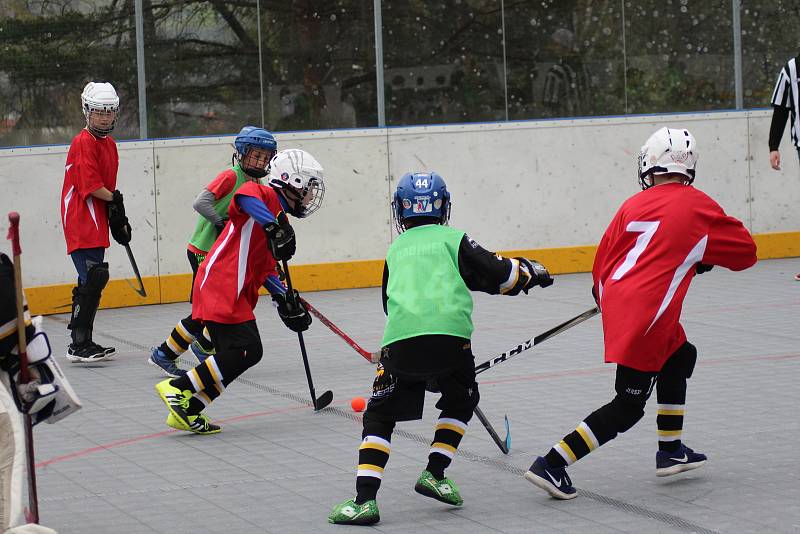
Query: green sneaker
[176,400]
[199,424]
[444,490]
[350,513]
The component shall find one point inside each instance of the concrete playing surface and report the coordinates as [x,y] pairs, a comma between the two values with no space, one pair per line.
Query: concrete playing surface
[279,467]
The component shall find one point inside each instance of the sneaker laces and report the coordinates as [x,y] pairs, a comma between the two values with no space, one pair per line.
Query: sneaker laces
[201,419]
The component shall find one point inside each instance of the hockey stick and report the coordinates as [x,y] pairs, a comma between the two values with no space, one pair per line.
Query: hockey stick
[140,290]
[13,235]
[374,357]
[327,397]
[525,345]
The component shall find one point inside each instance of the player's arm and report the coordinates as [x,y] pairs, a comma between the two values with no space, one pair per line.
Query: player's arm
[280,234]
[103,194]
[208,197]
[384,284]
[491,273]
[729,245]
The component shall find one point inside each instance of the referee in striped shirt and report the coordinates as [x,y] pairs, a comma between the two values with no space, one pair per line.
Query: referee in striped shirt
[784,103]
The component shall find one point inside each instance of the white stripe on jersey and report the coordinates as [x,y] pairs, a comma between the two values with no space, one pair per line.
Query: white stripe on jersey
[244,252]
[67,199]
[695,256]
[214,256]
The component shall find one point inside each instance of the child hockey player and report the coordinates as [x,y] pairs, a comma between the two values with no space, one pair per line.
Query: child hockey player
[429,271]
[227,283]
[255,147]
[90,205]
[645,262]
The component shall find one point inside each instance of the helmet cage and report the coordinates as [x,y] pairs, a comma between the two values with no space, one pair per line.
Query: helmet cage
[99,98]
[252,137]
[299,178]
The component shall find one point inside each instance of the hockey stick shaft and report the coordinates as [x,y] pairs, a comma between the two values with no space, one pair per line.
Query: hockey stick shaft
[525,345]
[13,235]
[326,397]
[140,290]
[503,444]
[338,331]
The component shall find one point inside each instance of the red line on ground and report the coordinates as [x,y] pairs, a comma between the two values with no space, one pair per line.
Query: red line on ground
[137,439]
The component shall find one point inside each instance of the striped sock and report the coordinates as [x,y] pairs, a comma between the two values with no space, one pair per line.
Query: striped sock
[179,339]
[573,447]
[373,454]
[670,426]
[203,398]
[446,439]
[202,377]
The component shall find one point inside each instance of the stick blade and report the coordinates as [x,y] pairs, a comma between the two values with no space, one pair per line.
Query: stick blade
[508,436]
[323,400]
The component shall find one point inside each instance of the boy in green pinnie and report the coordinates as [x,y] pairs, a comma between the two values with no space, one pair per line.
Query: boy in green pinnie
[429,272]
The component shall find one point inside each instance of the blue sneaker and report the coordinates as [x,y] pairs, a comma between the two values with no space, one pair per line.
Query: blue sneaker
[200,353]
[159,359]
[554,480]
[672,463]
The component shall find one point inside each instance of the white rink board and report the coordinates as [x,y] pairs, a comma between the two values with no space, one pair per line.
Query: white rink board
[514,185]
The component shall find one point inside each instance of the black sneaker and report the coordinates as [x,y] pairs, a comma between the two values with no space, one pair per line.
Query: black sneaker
[86,353]
[106,350]
[672,463]
[554,480]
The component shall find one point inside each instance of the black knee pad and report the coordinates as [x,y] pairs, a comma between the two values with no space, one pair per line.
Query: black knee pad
[624,413]
[376,425]
[681,363]
[86,299]
[96,278]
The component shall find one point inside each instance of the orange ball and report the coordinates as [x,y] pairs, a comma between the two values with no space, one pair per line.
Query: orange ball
[358,404]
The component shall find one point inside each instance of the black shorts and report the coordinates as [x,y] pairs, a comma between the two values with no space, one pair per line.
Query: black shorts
[437,362]
[233,336]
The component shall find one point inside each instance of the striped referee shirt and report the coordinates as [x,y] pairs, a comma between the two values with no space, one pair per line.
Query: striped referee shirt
[786,95]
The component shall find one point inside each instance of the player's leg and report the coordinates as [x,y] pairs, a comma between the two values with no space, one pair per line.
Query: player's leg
[202,347]
[673,456]
[601,426]
[459,398]
[92,278]
[392,400]
[239,349]
[178,341]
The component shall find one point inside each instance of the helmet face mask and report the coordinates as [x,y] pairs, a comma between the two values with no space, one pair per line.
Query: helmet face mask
[420,195]
[255,147]
[668,151]
[100,105]
[299,178]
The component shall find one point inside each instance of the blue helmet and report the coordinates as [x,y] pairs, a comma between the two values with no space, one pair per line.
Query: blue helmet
[420,194]
[254,137]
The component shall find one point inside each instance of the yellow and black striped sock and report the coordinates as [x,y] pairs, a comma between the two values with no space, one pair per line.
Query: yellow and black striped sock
[446,439]
[574,446]
[373,454]
[202,377]
[179,340]
[670,426]
[203,398]
[204,340]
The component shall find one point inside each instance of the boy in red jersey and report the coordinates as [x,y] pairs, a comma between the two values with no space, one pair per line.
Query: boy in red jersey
[245,255]
[90,205]
[657,242]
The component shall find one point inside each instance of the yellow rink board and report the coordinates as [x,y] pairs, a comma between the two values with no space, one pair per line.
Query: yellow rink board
[50,299]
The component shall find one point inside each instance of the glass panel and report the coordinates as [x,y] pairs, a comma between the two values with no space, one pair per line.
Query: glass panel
[769,40]
[679,56]
[50,50]
[443,61]
[319,64]
[564,58]
[201,67]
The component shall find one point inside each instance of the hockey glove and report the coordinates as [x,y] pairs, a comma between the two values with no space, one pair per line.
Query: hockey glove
[281,241]
[292,312]
[117,221]
[703,268]
[539,275]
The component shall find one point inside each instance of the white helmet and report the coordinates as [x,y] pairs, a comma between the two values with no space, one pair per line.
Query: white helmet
[296,175]
[99,96]
[666,151]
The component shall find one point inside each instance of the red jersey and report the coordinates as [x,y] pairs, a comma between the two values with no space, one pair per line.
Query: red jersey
[227,282]
[646,261]
[92,163]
